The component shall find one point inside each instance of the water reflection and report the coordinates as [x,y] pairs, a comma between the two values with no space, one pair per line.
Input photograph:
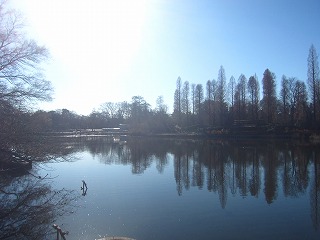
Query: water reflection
[236,168]
[28,202]
[29,206]
[262,169]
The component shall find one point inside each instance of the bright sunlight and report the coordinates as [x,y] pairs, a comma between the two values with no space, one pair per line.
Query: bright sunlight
[94,40]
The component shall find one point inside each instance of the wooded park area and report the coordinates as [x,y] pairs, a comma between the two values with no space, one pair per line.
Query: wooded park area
[219,107]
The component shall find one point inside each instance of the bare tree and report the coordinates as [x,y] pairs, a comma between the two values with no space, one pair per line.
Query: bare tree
[209,98]
[185,103]
[284,95]
[178,96]
[21,78]
[161,106]
[214,85]
[253,89]
[176,101]
[269,95]
[293,100]
[241,97]
[300,96]
[199,100]
[221,88]
[221,94]
[124,111]
[110,108]
[231,90]
[139,108]
[209,90]
[231,94]
[313,80]
[193,98]
[237,102]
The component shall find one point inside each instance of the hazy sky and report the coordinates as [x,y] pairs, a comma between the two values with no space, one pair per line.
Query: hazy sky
[111,50]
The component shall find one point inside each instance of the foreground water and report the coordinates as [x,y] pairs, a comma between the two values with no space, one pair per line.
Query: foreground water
[181,189]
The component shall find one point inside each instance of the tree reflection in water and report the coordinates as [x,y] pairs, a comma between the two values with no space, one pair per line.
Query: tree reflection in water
[236,167]
[29,206]
[28,203]
[315,191]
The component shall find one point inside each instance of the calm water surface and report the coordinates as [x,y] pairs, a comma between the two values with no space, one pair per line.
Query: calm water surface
[200,189]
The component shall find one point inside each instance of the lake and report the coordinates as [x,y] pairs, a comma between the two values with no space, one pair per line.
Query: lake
[147,188]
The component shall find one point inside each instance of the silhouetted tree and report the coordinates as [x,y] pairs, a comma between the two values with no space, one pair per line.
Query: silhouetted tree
[221,94]
[124,110]
[185,102]
[185,106]
[300,95]
[110,109]
[292,98]
[161,106]
[284,97]
[139,108]
[314,81]
[253,89]
[21,80]
[40,121]
[231,92]
[199,100]
[161,122]
[193,97]
[240,97]
[269,99]
[237,102]
[177,97]
[96,120]
[209,99]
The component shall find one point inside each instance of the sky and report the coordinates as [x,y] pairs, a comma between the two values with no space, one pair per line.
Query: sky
[111,50]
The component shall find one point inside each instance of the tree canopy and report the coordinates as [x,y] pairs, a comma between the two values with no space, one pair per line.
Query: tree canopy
[22,82]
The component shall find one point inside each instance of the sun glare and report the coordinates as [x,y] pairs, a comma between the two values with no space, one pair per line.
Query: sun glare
[95,40]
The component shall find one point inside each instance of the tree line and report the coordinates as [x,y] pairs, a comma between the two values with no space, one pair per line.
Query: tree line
[218,104]
[221,103]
